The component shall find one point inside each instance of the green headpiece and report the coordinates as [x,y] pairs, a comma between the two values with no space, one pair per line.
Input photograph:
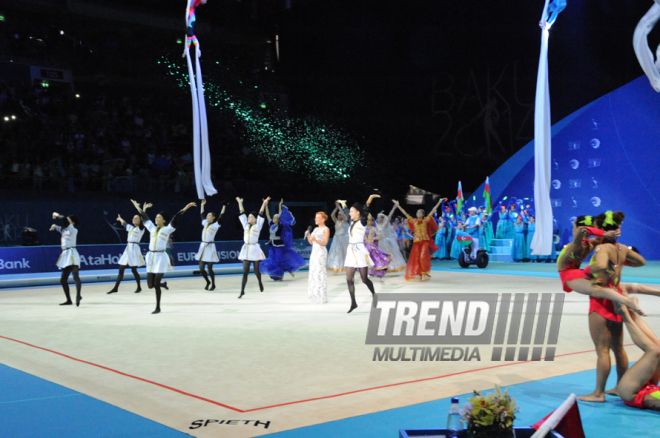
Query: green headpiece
[588,221]
[609,218]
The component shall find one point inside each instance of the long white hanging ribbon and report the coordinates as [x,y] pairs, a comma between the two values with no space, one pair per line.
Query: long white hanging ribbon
[207,183]
[196,134]
[542,241]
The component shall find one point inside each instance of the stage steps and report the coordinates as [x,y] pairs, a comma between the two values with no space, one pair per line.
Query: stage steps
[500,250]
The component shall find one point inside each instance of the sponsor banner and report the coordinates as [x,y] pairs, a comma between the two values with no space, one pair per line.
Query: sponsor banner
[32,259]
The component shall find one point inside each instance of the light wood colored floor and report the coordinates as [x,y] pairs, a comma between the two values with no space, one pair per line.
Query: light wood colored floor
[266,349]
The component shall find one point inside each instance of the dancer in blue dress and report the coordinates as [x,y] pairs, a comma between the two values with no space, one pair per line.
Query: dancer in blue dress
[519,246]
[531,229]
[502,230]
[281,258]
[441,241]
[513,219]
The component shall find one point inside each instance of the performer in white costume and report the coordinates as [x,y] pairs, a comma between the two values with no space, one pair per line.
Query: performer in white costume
[207,254]
[357,255]
[69,260]
[389,242]
[339,245]
[132,256]
[158,262]
[317,290]
[251,251]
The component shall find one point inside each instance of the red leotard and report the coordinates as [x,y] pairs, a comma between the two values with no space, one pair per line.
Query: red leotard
[638,401]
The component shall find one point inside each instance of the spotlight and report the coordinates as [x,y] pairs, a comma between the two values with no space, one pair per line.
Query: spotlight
[61,32]
[77,96]
[6,119]
[13,117]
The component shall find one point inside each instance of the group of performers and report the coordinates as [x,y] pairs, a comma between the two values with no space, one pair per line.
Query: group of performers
[611,306]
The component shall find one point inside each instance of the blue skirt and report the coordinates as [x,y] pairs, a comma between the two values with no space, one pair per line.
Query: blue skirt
[441,243]
[281,260]
[519,248]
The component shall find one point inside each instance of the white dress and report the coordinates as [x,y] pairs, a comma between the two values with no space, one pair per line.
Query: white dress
[251,250]
[337,253]
[132,255]
[389,244]
[357,255]
[317,291]
[69,256]
[207,251]
[158,262]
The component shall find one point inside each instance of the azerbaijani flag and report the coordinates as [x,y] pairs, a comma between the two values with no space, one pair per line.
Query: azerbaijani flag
[459,199]
[489,206]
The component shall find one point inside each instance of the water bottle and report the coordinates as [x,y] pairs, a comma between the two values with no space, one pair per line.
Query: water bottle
[454,426]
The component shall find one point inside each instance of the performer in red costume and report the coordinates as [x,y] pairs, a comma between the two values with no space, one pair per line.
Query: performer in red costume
[423,229]
[638,387]
[604,324]
[571,256]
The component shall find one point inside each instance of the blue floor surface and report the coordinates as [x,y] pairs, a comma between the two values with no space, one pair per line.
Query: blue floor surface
[536,399]
[33,407]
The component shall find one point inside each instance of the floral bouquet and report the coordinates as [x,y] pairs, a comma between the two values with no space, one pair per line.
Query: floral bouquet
[490,416]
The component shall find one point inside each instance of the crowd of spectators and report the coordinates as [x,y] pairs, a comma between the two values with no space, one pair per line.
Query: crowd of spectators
[109,141]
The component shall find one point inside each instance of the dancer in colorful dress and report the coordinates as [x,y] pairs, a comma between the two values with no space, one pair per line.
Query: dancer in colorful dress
[339,245]
[357,255]
[251,252]
[158,262]
[424,229]
[132,255]
[69,260]
[281,257]
[317,289]
[207,255]
[388,242]
[381,259]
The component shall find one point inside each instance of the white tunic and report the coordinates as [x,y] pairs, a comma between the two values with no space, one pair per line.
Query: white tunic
[158,262]
[357,255]
[69,256]
[251,250]
[207,251]
[132,255]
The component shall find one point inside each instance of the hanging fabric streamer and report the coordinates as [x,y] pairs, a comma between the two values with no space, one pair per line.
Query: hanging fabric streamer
[542,241]
[650,65]
[201,153]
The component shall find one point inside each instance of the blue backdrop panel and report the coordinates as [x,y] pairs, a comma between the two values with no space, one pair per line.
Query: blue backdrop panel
[605,156]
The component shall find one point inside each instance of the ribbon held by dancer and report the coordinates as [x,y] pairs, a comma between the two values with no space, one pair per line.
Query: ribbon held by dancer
[201,153]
